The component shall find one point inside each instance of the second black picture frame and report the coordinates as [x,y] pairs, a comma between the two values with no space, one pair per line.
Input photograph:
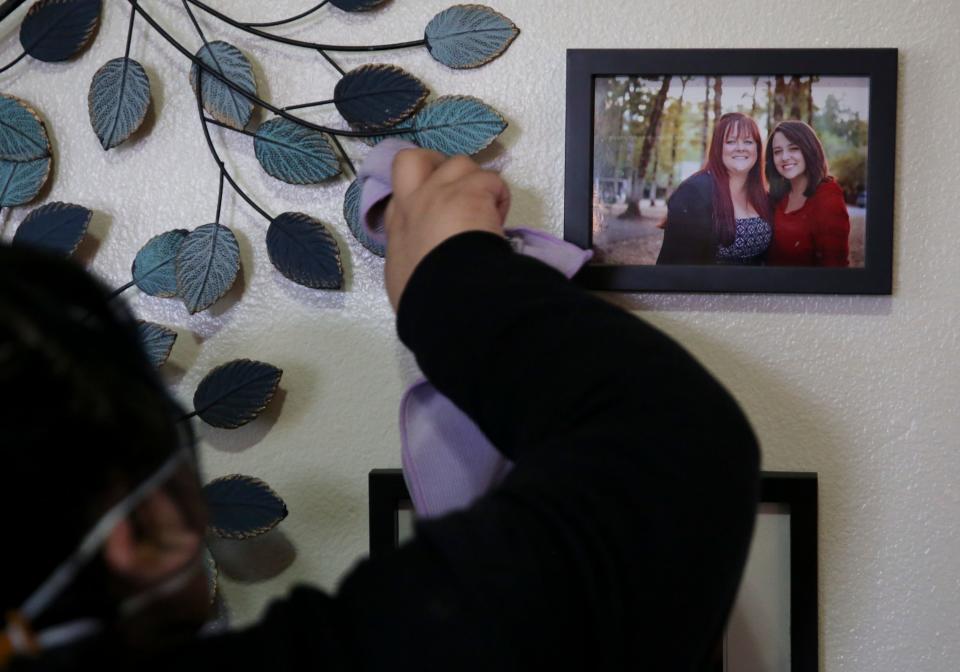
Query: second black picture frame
[619,155]
[774,624]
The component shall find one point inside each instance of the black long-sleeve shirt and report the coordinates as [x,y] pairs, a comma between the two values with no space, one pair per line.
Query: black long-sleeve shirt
[617,541]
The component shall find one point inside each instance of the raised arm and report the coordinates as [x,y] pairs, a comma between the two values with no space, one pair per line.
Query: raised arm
[619,538]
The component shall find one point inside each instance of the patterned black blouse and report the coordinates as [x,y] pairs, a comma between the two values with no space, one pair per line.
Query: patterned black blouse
[749,245]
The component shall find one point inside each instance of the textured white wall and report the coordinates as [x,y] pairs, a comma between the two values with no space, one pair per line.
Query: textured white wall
[863,390]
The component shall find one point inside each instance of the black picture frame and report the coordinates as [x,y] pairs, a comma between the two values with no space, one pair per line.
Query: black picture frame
[880,65]
[795,492]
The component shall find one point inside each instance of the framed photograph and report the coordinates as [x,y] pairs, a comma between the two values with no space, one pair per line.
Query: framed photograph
[732,170]
[774,621]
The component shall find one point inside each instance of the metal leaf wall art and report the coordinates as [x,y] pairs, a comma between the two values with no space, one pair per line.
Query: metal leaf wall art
[118,100]
[25,155]
[199,266]
[226,103]
[58,30]
[55,227]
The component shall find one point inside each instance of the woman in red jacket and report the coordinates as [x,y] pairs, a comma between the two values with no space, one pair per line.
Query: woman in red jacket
[811,226]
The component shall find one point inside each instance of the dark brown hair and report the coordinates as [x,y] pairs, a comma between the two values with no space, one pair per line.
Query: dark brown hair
[816,169]
[724,221]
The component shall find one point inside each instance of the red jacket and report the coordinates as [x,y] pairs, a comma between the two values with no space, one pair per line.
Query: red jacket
[816,234]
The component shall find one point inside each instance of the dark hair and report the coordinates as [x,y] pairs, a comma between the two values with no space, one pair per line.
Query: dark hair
[806,139]
[724,221]
[85,418]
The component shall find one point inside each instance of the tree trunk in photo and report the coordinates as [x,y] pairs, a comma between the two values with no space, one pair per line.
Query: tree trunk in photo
[812,79]
[769,106]
[677,127]
[653,173]
[653,125]
[796,97]
[753,104]
[779,98]
[706,120]
[717,95]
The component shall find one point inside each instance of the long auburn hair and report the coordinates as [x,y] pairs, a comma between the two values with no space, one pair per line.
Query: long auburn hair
[817,169]
[724,220]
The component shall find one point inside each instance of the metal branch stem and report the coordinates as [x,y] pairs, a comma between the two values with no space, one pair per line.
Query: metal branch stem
[343,153]
[13,62]
[336,66]
[219,197]
[300,43]
[229,127]
[303,105]
[224,175]
[253,97]
[216,157]
[133,16]
[120,290]
[9,7]
[271,24]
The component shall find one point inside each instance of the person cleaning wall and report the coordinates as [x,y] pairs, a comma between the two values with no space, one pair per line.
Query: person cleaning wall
[616,541]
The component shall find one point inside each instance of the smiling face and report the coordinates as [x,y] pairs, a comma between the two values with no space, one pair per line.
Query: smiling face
[739,150]
[787,157]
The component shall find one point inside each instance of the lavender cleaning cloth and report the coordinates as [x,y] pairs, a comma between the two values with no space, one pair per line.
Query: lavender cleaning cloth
[447,460]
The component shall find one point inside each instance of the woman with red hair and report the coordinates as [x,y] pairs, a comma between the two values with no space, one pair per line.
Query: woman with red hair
[811,226]
[721,214]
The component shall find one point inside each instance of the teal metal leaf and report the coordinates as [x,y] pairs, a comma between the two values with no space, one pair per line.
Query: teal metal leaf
[241,507]
[223,103]
[303,250]
[155,266]
[356,5]
[55,227]
[454,125]
[57,30]
[21,181]
[235,393]
[23,136]
[118,100]
[468,36]
[378,95]
[351,213]
[207,266]
[294,153]
[157,341]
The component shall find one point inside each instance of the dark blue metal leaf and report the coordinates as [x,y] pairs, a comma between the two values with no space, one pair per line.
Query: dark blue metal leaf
[22,133]
[242,507]
[222,102]
[378,95]
[21,181]
[468,36]
[57,30]
[294,153]
[155,266]
[207,266]
[235,393]
[356,5]
[454,125]
[118,100]
[303,250]
[351,213]
[157,341]
[55,227]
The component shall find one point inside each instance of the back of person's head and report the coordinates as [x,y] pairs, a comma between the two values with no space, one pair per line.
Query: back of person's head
[84,420]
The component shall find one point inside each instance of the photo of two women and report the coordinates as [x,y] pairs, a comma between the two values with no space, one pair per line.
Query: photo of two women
[766,170]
